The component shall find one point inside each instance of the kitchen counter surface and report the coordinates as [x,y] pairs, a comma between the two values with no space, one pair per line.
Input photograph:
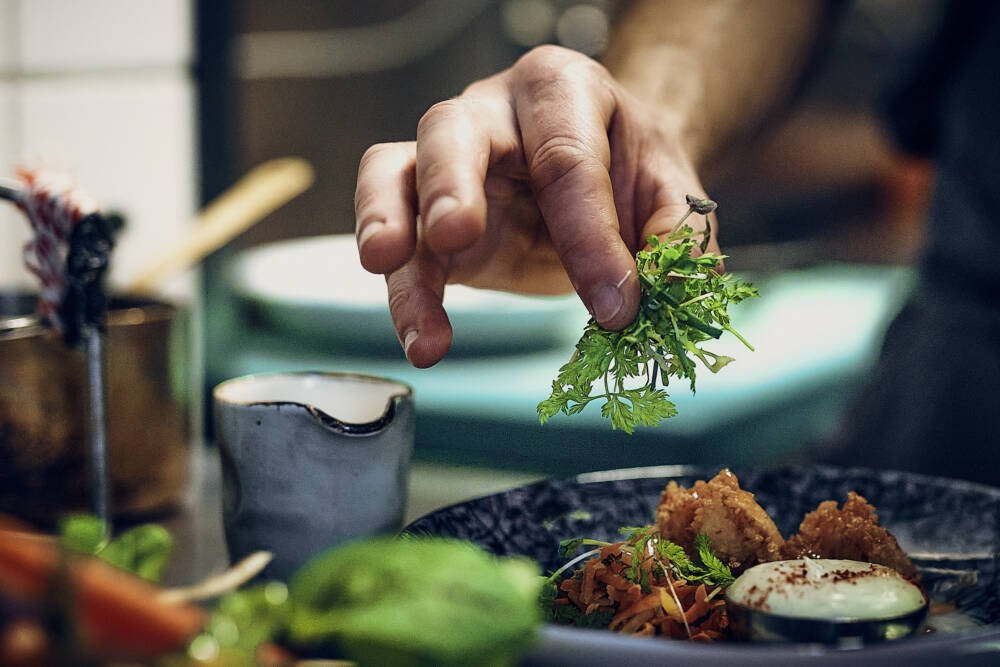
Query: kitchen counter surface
[197,528]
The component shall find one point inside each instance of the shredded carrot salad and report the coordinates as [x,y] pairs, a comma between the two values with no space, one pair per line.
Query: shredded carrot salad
[634,587]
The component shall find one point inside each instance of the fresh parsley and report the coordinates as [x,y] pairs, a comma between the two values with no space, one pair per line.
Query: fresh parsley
[684,304]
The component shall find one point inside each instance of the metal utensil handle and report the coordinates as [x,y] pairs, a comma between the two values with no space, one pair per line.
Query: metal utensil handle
[97,397]
[9,191]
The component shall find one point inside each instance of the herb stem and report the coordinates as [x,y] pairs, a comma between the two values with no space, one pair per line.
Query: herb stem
[696,299]
[583,556]
[694,321]
[681,221]
[677,601]
[741,338]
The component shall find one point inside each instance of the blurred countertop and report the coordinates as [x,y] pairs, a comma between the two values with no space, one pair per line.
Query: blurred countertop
[197,527]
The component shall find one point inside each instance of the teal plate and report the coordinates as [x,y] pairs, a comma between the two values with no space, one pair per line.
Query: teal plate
[314,289]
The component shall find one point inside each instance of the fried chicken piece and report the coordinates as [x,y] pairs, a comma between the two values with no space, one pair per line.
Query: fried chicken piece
[852,533]
[741,532]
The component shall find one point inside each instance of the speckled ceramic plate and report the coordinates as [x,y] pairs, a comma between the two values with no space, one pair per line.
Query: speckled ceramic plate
[951,529]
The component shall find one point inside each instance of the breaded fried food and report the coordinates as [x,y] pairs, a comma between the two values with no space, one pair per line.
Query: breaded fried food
[741,532]
[851,532]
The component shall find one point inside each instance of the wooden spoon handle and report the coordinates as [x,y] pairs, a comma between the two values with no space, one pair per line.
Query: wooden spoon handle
[261,191]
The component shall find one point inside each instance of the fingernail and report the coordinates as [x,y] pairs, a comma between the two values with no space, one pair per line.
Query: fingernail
[408,339]
[605,303]
[440,208]
[369,231]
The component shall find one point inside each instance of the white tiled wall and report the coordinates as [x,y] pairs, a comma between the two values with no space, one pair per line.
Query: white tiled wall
[7,45]
[13,231]
[102,90]
[74,35]
[11,234]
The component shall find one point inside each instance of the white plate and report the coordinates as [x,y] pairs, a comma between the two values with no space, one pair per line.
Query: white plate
[315,288]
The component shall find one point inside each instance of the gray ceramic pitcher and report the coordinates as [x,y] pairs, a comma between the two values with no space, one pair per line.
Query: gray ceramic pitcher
[311,460]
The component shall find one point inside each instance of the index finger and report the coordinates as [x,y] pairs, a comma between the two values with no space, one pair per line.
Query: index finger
[564,121]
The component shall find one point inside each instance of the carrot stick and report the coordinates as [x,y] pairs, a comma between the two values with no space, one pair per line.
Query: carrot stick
[117,613]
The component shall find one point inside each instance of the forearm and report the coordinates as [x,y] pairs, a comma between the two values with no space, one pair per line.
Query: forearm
[712,70]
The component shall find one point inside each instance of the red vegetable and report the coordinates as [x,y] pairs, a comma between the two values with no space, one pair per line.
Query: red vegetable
[116,614]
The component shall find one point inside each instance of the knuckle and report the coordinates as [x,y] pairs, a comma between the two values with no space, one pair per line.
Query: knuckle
[576,245]
[473,88]
[558,156]
[546,56]
[380,165]
[397,284]
[399,297]
[548,64]
[433,175]
[364,200]
[480,88]
[373,153]
[379,157]
[444,111]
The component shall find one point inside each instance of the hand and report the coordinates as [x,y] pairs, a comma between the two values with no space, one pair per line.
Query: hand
[544,178]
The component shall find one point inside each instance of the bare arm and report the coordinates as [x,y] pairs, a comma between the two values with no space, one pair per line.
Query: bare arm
[714,70]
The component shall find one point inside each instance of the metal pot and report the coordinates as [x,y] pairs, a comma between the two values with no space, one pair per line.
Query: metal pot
[44,470]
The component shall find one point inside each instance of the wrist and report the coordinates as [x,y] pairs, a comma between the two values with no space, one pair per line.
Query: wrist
[668,83]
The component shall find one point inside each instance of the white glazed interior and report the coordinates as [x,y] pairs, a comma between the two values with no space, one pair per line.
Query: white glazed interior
[347,398]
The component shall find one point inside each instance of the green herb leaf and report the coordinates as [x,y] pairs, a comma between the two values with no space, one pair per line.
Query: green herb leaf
[144,550]
[574,515]
[250,616]
[547,594]
[684,305]
[675,553]
[82,533]
[718,572]
[567,614]
[569,547]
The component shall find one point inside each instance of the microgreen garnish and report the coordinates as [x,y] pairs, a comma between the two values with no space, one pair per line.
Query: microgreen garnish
[684,303]
[710,569]
[568,547]
[714,569]
[645,543]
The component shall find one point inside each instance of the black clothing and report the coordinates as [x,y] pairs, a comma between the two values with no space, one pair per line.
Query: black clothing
[933,402]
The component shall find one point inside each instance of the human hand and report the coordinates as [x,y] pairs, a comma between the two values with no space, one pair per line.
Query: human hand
[546,177]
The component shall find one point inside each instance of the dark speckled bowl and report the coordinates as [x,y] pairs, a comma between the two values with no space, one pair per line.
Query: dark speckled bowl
[950,528]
